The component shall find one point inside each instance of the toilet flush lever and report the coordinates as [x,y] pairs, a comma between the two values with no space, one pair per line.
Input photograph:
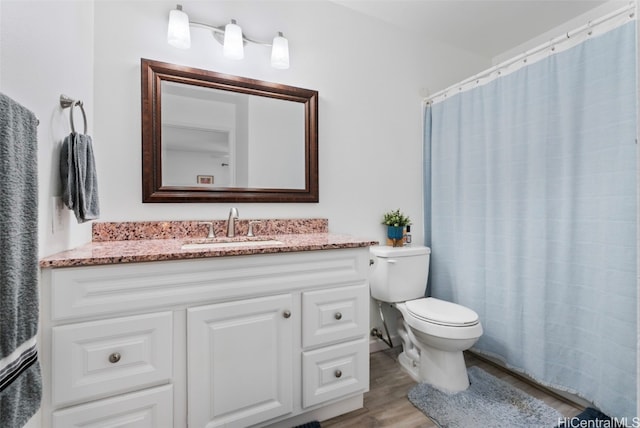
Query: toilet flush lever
[392,261]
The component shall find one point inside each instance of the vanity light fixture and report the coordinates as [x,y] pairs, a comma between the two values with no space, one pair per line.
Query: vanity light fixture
[233,47]
[230,36]
[178,34]
[280,52]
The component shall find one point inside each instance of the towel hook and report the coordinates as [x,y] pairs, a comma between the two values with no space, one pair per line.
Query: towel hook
[66,102]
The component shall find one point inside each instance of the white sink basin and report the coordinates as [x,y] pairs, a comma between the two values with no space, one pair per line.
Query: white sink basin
[234,244]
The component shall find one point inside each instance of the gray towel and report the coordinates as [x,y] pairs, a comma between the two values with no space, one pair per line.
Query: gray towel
[79,178]
[20,379]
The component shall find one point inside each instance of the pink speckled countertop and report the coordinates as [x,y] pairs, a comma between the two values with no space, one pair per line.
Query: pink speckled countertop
[148,241]
[147,250]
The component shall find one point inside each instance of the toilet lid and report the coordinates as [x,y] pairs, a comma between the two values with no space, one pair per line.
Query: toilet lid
[441,312]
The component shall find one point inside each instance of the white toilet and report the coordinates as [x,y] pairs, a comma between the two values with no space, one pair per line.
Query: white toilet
[433,332]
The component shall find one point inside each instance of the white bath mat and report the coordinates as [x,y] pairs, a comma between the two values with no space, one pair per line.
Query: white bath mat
[488,402]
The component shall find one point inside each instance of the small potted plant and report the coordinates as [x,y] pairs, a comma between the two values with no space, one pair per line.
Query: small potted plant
[396,221]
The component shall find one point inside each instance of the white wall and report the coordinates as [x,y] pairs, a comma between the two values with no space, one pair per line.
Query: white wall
[369,114]
[46,49]
[572,24]
[274,162]
[638,222]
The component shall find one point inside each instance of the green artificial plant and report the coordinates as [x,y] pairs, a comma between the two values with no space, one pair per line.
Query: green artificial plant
[396,219]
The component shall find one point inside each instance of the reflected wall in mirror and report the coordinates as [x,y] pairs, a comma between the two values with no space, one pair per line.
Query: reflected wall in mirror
[212,137]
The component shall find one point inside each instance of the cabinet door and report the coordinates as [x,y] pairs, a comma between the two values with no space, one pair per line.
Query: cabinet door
[240,361]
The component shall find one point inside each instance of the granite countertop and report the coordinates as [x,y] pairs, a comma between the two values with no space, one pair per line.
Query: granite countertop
[147,250]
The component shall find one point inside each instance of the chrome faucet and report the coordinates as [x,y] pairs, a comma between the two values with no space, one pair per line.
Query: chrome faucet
[231,223]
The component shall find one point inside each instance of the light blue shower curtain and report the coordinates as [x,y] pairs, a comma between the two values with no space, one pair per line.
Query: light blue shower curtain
[530,210]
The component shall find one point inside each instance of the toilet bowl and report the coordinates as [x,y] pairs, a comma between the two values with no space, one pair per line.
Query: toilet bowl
[434,332]
[439,341]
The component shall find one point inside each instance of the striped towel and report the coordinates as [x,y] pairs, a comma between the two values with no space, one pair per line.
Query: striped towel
[20,378]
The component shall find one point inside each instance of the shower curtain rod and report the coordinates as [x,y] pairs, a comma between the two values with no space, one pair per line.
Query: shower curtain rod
[496,70]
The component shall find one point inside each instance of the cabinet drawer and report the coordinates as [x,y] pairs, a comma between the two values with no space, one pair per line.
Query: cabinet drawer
[334,371]
[101,358]
[144,409]
[334,314]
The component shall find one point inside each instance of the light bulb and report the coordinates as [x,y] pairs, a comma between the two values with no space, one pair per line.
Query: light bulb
[178,31]
[280,52]
[233,44]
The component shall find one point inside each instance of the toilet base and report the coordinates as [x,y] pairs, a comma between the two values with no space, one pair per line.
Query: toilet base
[443,369]
[448,374]
[409,366]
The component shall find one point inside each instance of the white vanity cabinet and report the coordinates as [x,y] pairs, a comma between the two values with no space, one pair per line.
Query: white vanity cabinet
[238,341]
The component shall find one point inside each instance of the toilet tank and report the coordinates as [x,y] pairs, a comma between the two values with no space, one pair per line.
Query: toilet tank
[399,274]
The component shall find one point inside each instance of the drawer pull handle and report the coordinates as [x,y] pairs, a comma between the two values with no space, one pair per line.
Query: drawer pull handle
[338,373]
[114,358]
[338,316]
[286,314]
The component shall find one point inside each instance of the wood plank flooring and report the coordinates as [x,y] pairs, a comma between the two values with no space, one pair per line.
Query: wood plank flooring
[386,403]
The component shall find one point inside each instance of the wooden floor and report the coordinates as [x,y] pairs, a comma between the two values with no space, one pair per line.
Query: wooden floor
[386,403]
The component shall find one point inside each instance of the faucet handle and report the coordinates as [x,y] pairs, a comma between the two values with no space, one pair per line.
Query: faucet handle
[251,223]
[211,234]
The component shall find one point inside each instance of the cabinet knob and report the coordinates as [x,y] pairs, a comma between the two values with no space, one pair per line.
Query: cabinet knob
[338,316]
[114,358]
[338,373]
[286,314]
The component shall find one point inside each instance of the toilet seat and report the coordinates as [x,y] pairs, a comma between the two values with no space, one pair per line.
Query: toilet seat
[440,312]
[438,329]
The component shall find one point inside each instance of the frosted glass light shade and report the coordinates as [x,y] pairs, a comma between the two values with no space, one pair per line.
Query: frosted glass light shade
[280,52]
[233,44]
[178,34]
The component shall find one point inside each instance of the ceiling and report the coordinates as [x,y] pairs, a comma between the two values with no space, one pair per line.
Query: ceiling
[485,27]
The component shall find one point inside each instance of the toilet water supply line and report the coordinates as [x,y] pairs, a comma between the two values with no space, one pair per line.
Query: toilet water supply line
[377,333]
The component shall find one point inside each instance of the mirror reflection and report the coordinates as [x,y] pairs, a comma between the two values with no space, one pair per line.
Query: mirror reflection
[216,139]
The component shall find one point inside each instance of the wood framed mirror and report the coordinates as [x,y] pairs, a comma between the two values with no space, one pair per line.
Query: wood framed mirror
[213,137]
